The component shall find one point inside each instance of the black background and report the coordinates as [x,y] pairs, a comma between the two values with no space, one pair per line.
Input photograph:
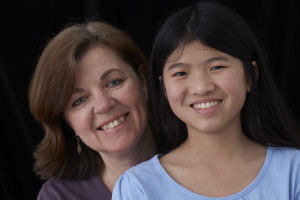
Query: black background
[26,27]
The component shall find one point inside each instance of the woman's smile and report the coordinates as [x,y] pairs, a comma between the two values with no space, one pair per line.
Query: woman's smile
[112,124]
[104,116]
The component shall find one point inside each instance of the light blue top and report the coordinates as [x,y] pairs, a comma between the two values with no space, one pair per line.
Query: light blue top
[278,179]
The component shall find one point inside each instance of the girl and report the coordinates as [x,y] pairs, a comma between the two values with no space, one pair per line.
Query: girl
[228,130]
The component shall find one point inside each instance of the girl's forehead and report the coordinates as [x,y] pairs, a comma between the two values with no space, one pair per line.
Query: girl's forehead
[192,49]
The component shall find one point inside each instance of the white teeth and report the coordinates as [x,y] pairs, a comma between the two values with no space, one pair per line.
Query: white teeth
[116,122]
[104,127]
[206,105]
[113,124]
[202,105]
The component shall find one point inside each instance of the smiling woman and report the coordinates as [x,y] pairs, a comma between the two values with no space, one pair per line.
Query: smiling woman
[102,113]
[89,92]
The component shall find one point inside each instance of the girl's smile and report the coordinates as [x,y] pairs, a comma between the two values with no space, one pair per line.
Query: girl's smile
[206,107]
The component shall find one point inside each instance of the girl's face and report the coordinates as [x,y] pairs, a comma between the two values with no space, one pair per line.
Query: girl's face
[108,108]
[206,88]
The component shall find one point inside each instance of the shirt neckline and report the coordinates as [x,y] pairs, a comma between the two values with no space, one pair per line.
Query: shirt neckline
[238,195]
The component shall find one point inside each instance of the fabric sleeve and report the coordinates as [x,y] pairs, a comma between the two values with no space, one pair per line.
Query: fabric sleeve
[48,193]
[297,186]
[127,189]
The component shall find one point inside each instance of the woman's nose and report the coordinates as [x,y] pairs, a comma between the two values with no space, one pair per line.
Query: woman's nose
[201,84]
[102,103]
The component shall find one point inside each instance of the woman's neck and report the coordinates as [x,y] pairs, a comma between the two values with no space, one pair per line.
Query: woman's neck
[116,164]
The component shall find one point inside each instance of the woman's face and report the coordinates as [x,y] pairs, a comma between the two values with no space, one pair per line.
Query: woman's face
[108,108]
[206,88]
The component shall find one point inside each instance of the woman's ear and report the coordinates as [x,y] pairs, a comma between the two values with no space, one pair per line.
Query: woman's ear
[143,81]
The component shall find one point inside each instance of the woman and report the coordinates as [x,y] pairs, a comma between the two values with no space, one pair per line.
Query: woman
[90,94]
[229,132]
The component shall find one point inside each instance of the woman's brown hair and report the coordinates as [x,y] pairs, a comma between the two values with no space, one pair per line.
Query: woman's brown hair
[51,88]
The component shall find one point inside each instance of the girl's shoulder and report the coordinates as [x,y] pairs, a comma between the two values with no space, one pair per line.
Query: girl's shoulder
[285,156]
[150,165]
[285,152]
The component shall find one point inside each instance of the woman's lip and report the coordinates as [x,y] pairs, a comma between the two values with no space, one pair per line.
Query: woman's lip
[116,121]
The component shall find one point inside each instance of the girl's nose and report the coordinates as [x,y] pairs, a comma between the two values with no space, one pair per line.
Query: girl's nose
[103,103]
[201,84]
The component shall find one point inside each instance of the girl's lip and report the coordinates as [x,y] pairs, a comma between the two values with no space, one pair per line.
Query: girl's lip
[204,101]
[207,107]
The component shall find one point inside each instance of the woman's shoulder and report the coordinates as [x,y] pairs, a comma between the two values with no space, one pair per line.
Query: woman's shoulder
[90,188]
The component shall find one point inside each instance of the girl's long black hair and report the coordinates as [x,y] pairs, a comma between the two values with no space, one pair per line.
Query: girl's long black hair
[265,116]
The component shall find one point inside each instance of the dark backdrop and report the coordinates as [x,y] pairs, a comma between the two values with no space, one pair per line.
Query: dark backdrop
[27,25]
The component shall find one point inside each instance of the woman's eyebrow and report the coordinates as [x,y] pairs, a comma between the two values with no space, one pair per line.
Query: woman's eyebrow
[78,90]
[105,74]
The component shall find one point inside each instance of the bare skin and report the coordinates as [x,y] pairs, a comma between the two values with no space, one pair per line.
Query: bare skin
[230,167]
[117,164]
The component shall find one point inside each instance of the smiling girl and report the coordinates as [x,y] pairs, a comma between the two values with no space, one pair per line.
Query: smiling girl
[229,133]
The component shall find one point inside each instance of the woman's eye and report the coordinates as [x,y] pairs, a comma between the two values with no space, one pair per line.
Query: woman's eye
[114,83]
[180,74]
[216,68]
[79,101]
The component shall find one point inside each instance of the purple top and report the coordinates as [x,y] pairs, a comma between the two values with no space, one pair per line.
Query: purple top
[60,189]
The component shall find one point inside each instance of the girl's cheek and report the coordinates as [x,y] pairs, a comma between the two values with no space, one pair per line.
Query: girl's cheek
[173,93]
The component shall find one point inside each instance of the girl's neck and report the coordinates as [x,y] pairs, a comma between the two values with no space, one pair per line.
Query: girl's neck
[116,164]
[221,147]
[215,162]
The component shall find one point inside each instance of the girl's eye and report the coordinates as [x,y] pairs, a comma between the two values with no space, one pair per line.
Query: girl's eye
[216,68]
[180,74]
[79,101]
[114,83]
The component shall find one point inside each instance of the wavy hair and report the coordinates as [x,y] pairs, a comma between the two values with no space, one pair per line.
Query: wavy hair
[51,88]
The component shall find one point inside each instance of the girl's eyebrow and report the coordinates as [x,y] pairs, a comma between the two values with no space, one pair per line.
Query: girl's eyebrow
[210,60]
[216,58]
[175,65]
